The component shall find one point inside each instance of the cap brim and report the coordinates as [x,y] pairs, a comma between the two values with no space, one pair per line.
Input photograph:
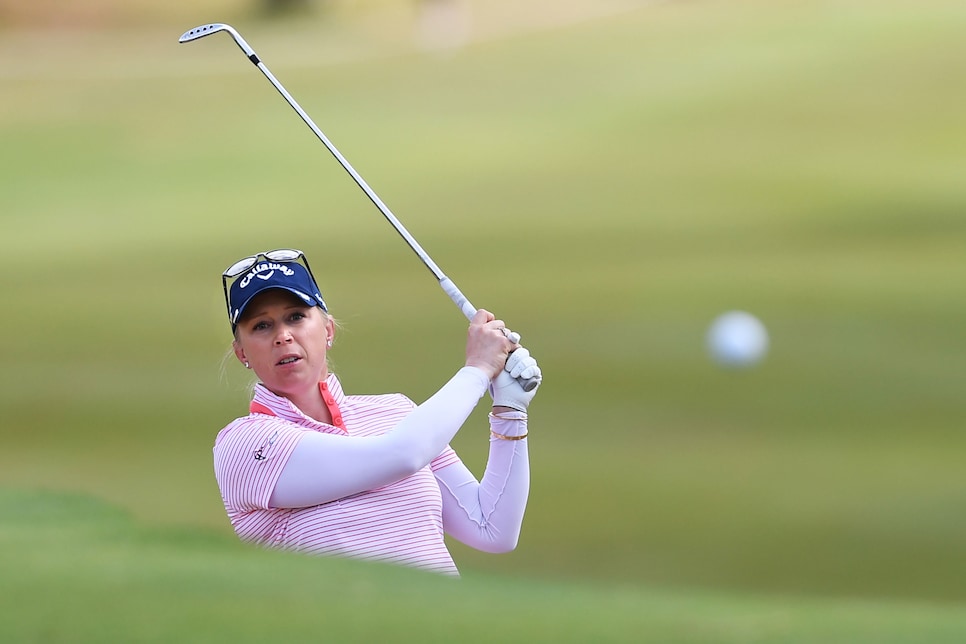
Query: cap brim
[305,297]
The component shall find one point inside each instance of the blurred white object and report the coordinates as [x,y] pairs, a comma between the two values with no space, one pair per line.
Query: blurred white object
[737,339]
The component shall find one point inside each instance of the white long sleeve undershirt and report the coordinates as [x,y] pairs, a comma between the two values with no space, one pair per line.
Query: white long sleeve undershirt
[325,467]
[486,514]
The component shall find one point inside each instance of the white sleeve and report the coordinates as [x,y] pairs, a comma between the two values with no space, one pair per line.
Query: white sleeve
[488,515]
[324,467]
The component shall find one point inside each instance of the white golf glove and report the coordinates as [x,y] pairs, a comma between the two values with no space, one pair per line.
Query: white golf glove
[506,389]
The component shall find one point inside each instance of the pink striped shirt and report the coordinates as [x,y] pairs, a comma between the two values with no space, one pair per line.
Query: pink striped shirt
[400,522]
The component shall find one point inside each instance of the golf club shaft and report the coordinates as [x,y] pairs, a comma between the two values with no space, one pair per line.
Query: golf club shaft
[445,282]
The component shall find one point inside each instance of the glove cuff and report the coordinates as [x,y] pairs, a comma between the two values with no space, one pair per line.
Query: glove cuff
[512,404]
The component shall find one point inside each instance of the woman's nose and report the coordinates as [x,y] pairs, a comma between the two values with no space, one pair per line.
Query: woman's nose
[283,337]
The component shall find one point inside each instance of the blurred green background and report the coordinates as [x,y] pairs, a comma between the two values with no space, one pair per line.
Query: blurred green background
[605,176]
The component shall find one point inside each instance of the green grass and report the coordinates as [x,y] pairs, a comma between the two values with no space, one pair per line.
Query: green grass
[607,188]
[78,570]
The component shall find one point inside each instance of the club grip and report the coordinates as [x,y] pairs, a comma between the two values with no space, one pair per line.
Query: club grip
[528,384]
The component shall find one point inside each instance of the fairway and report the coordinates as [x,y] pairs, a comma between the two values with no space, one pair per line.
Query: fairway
[608,178]
[84,573]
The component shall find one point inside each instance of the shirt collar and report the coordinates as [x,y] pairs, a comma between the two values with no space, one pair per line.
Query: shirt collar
[264,401]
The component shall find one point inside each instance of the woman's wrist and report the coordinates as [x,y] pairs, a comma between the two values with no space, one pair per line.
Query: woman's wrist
[507,423]
[478,374]
[499,412]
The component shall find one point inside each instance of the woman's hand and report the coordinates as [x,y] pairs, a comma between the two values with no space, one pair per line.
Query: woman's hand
[487,346]
[506,388]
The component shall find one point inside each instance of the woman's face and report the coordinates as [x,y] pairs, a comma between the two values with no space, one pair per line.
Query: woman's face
[285,342]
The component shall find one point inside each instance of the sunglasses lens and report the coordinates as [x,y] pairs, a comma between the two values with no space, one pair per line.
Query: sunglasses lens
[239,267]
[284,255]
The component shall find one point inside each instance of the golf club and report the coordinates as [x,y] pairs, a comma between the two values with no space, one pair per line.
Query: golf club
[446,283]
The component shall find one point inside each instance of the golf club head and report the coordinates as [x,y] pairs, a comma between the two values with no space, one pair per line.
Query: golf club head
[206,30]
[202,31]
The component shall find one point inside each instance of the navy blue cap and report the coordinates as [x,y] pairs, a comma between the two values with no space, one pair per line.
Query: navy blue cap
[289,276]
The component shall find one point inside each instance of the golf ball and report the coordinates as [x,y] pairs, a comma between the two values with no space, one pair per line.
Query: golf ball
[737,339]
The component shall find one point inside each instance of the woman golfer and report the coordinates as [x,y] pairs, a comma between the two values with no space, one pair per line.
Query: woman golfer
[316,470]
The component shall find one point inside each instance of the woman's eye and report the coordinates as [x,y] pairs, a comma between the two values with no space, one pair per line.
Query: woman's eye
[259,326]
[298,315]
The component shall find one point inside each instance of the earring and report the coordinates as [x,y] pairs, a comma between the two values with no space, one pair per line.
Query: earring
[328,342]
[246,365]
